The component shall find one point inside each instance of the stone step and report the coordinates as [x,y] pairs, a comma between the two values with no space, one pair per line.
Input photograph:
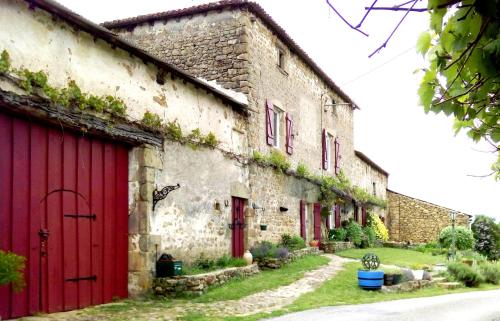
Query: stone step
[449,285]
[438,280]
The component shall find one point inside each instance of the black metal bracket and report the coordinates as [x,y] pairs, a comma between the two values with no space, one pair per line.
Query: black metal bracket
[161,194]
[91,278]
[90,216]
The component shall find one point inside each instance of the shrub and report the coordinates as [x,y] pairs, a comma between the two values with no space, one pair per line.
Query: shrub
[378,226]
[490,272]
[151,120]
[278,160]
[354,232]
[263,250]
[11,270]
[281,253]
[369,237]
[466,274]
[338,234]
[204,262]
[487,236]
[463,237]
[302,170]
[471,255]
[292,243]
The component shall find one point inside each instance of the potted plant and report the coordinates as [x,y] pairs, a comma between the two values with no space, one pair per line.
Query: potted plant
[392,276]
[11,270]
[314,243]
[369,278]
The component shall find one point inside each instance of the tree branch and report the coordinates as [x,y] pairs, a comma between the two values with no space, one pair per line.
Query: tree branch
[397,9]
[366,14]
[394,31]
[343,19]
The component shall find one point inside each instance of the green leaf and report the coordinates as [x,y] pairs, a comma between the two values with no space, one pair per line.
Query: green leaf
[423,43]
[436,21]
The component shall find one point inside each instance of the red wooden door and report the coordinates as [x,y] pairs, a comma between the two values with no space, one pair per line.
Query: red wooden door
[64,201]
[317,221]
[238,226]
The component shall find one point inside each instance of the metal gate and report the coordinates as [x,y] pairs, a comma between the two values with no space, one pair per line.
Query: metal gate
[64,205]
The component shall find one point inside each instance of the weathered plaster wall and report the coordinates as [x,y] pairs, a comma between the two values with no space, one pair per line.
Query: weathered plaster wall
[188,220]
[416,221]
[36,42]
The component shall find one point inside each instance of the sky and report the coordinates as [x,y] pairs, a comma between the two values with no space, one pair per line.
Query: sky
[420,151]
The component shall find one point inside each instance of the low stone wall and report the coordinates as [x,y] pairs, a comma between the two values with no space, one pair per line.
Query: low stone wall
[333,246]
[305,251]
[196,285]
[407,286]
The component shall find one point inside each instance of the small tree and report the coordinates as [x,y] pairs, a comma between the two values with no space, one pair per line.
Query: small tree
[463,237]
[487,236]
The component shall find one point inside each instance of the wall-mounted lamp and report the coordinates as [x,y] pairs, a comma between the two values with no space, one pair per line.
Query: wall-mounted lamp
[226,203]
[283,209]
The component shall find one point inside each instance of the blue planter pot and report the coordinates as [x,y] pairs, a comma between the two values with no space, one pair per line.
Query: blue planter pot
[370,280]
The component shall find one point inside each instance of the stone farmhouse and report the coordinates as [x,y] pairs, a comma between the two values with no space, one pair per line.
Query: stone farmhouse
[93,188]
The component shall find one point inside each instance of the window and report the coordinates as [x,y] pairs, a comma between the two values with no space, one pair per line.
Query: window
[281,59]
[276,120]
[374,189]
[327,150]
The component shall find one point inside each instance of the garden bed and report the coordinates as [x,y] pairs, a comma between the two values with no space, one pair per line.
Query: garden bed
[196,285]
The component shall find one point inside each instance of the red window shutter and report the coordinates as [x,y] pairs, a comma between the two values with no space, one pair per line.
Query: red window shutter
[363,216]
[337,156]
[317,221]
[337,216]
[269,123]
[303,219]
[289,134]
[323,150]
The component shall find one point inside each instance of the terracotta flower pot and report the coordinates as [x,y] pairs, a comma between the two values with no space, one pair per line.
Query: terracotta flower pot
[314,243]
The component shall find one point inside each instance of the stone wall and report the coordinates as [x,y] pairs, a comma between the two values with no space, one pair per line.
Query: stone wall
[211,46]
[372,180]
[196,285]
[416,221]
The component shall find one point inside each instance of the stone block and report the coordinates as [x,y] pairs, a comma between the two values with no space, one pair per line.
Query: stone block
[150,158]
[146,192]
[449,285]
[139,283]
[147,175]
[138,261]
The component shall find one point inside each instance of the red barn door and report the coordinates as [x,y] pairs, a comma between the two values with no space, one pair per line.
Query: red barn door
[64,204]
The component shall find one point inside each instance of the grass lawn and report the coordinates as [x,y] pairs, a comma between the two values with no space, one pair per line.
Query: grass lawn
[392,256]
[266,280]
[341,290]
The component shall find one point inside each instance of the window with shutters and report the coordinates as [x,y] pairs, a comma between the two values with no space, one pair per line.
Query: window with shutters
[273,121]
[289,134]
[337,156]
[276,120]
[328,151]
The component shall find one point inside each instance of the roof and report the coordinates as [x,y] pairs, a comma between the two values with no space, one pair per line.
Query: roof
[391,191]
[114,40]
[130,23]
[365,158]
